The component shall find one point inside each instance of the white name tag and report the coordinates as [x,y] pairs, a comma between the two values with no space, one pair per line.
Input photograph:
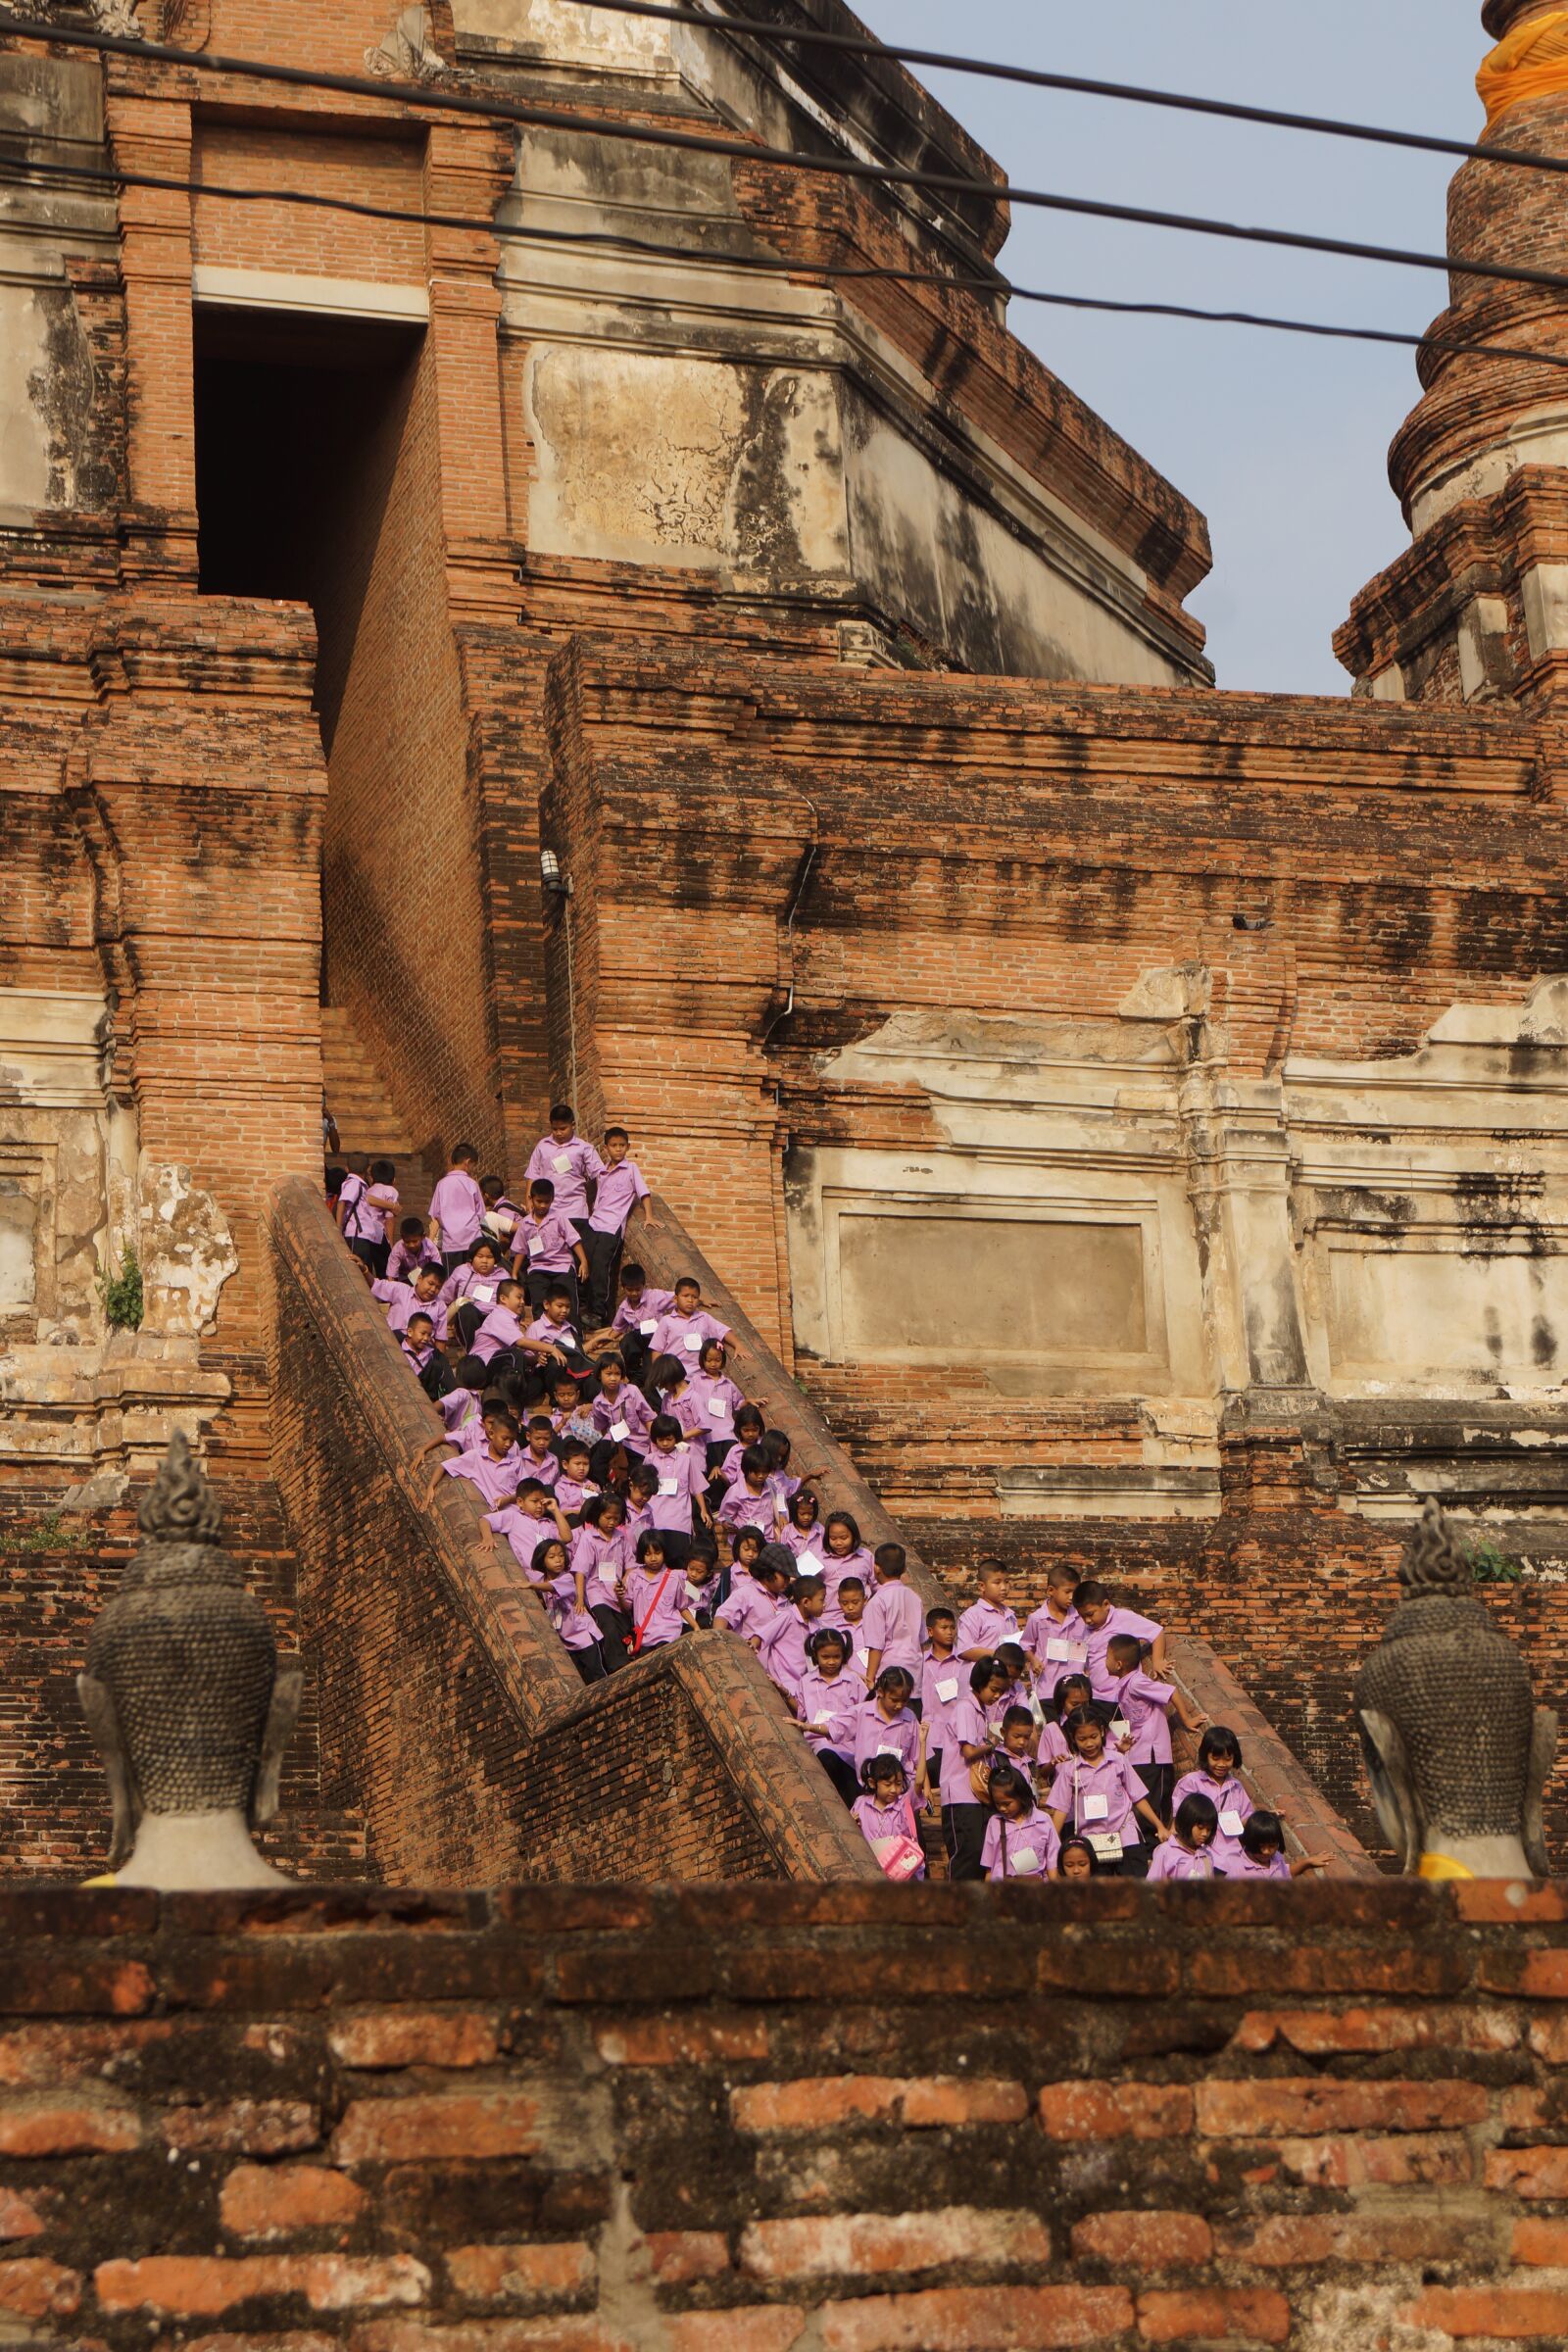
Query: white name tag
[1230,1822]
[1059,1649]
[1096,1808]
[691,1342]
[562,1163]
[821,1720]
[668,1485]
[1120,1727]
[536,1248]
[886,1748]
[718,1408]
[607,1575]
[1024,1861]
[809,1564]
[649,1328]
[947,1690]
[620,1429]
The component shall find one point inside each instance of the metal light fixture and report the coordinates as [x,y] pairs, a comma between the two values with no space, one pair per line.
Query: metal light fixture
[552,875]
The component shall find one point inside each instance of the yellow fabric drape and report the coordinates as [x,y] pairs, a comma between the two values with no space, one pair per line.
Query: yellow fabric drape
[1439,1866]
[1530,63]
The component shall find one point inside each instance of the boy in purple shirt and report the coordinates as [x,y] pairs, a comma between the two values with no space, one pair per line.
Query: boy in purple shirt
[530,1519]
[682,1331]
[637,1317]
[570,1162]
[621,1414]
[412,1248]
[1104,1620]
[782,1648]
[1099,1792]
[987,1622]
[457,1208]
[966,1742]
[494,1465]
[404,1302]
[754,1600]
[498,1337]
[940,1685]
[548,1250]
[893,1620]
[552,1338]
[1055,1638]
[1144,1705]
[619,1194]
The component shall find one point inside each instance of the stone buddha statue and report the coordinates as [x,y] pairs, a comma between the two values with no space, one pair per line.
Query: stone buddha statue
[186,1700]
[1456,1750]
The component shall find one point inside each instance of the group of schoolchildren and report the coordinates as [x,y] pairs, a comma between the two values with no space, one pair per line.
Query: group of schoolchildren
[646,1497]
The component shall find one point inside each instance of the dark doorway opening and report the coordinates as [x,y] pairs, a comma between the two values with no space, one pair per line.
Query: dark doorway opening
[299,424]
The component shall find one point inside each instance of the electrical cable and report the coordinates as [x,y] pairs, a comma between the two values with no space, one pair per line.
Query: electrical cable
[804,273]
[789,159]
[1082,85]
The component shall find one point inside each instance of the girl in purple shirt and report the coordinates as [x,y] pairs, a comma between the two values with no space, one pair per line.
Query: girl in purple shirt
[826,1701]
[1262,1851]
[802,1534]
[887,1725]
[1100,1793]
[750,1502]
[655,1595]
[782,1648]
[717,1397]
[673,1390]
[842,1554]
[754,1600]
[750,1430]
[621,1413]
[885,1810]
[1021,1842]
[1072,1692]
[1219,1765]
[602,1553]
[967,1742]
[1189,1852]
[565,1586]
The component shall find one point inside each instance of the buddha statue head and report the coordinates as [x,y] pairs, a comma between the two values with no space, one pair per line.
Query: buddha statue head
[1456,1750]
[186,1698]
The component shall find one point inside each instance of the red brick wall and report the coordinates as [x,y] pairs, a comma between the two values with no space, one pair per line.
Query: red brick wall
[766,2118]
[687,1764]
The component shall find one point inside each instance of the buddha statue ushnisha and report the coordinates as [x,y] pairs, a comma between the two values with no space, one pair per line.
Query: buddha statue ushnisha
[186,1700]
[1456,1749]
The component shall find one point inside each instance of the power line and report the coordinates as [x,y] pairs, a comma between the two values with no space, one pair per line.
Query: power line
[787,158]
[1082,86]
[796,273]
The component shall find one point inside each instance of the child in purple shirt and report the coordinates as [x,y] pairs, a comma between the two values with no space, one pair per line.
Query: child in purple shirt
[547,1249]
[1262,1851]
[828,1706]
[619,1194]
[457,1208]
[412,1248]
[968,1742]
[802,1534]
[525,1522]
[1189,1852]
[886,1724]
[1104,1619]
[851,1599]
[942,1681]
[565,1585]
[1021,1842]
[682,1330]
[987,1622]
[471,1290]
[717,1398]
[496,1344]
[621,1413]
[670,1384]
[1144,1705]
[678,1489]
[842,1554]
[1101,1792]
[573,1487]
[656,1596]
[567,1161]
[1055,1638]
[750,1502]
[1219,1765]
[884,1811]
[893,1620]
[782,1648]
[755,1599]
[551,1337]
[494,1465]
[637,1317]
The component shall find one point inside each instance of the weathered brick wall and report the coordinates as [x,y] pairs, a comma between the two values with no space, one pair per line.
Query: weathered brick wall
[857,2120]
[451,1715]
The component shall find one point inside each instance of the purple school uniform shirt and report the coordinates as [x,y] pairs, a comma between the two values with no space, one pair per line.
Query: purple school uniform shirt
[620,1188]
[1020,1849]
[717,1399]
[965,1725]
[459,1409]
[1230,1800]
[496,1481]
[894,1624]
[457,1205]
[1053,1749]
[834,1571]
[800,1540]
[749,1610]
[875,1736]
[570,1496]
[1058,1645]
[942,1683]
[783,1650]
[656,1596]
[739,1508]
[523,1534]
[575,1626]
[983,1626]
[545,1244]
[569,1167]
[418,1357]
[364,1218]
[632,1313]
[464,1283]
[684,1335]
[546,1469]
[1243,1867]
[1173,1860]
[404,1263]
[602,1561]
[554,1335]
[1098,1797]
[1119,1621]
[402,1307]
[685,1409]
[829,1712]
[1145,1704]
[626,1419]
[500,1329]
[681,1479]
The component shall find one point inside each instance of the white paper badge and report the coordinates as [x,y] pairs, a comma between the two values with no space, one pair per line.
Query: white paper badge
[649,1328]
[620,1430]
[1059,1649]
[1022,1861]
[885,1747]
[718,1408]
[669,1486]
[1230,1822]
[1095,1807]
[607,1574]
[1120,1727]
[809,1564]
[947,1690]
[691,1341]
[821,1720]
[536,1248]
[562,1163]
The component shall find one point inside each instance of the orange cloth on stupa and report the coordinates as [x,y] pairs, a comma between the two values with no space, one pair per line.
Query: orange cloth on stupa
[1530,63]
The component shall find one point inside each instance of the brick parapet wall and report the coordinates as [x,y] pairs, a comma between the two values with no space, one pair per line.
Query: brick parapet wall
[451,1715]
[781,2120]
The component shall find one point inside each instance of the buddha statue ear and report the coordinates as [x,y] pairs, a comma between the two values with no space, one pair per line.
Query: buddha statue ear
[288,1688]
[1543,1755]
[98,1707]
[1392,1788]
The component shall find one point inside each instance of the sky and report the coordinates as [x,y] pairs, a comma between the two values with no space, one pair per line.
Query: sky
[1280,440]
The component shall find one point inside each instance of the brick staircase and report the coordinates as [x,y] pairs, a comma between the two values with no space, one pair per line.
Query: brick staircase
[358,1097]
[54,1810]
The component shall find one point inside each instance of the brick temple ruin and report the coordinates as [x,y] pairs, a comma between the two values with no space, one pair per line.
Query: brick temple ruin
[582,496]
